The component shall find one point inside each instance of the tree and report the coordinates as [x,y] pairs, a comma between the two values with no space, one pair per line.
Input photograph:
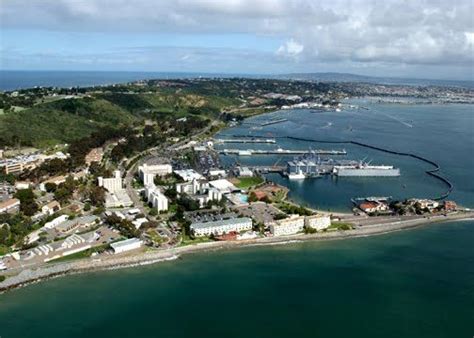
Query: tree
[87,206]
[27,201]
[50,187]
[97,196]
[253,197]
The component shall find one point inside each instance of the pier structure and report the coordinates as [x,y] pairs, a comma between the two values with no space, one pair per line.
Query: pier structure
[279,151]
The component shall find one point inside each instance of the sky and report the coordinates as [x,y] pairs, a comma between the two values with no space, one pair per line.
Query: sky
[431,39]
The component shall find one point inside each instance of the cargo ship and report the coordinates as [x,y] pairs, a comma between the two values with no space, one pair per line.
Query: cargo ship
[363,169]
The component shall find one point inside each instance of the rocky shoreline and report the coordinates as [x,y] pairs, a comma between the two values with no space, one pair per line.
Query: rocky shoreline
[30,276]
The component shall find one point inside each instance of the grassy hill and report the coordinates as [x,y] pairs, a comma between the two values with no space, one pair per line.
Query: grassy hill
[60,121]
[65,120]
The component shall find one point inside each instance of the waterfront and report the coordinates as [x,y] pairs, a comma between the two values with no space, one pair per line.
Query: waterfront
[442,133]
[410,283]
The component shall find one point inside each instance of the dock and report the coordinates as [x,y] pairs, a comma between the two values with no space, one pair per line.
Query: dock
[240,140]
[273,122]
[279,151]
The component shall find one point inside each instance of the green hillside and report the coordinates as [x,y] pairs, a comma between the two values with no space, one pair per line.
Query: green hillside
[60,121]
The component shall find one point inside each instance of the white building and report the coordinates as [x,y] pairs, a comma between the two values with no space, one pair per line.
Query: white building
[287,226]
[244,172]
[188,174]
[112,184]
[223,185]
[50,208]
[317,222]
[200,191]
[126,245]
[222,227]
[147,172]
[217,173]
[156,198]
[55,222]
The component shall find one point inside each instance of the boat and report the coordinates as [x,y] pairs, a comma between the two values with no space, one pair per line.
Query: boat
[297,176]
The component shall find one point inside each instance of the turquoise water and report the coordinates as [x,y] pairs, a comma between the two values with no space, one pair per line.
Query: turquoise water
[442,133]
[417,283]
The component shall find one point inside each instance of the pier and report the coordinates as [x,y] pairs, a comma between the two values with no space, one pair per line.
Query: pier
[279,151]
[273,122]
[434,172]
[242,140]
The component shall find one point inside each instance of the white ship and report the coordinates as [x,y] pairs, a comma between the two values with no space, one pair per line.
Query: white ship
[366,170]
[297,176]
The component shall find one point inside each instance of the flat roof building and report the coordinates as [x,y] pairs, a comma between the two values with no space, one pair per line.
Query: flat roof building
[222,227]
[126,245]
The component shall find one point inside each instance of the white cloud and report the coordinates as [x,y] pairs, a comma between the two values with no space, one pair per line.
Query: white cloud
[357,32]
[291,48]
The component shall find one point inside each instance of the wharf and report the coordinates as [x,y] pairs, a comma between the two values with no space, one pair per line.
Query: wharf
[279,151]
[253,140]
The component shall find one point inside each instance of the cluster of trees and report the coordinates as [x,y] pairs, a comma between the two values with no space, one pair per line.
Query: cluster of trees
[135,144]
[79,148]
[10,178]
[295,209]
[124,226]
[28,205]
[13,228]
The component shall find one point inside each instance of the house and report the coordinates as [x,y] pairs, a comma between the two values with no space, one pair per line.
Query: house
[54,180]
[51,208]
[10,205]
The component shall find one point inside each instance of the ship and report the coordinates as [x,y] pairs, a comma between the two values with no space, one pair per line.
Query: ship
[297,176]
[367,170]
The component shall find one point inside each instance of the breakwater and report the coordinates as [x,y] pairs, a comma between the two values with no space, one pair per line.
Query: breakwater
[434,172]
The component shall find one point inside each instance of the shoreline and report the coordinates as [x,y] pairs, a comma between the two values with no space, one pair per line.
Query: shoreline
[27,277]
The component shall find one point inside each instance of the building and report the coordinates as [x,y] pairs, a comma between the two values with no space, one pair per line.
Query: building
[51,208]
[317,222]
[199,190]
[118,199]
[75,223]
[188,174]
[244,172]
[112,184]
[147,172]
[55,180]
[217,173]
[222,226]
[373,206]
[450,206]
[287,226]
[156,198]
[10,205]
[126,245]
[424,203]
[95,155]
[55,222]
[223,186]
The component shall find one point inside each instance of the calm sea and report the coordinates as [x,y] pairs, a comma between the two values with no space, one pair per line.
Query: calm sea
[417,283]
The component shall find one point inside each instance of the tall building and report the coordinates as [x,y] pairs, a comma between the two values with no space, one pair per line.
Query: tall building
[287,226]
[147,172]
[156,198]
[112,184]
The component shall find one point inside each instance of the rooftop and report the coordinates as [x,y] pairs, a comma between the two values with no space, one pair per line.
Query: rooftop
[230,221]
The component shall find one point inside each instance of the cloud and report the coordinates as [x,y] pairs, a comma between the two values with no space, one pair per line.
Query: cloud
[291,48]
[392,33]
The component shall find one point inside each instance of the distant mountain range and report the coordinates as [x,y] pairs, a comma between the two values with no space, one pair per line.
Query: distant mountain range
[348,77]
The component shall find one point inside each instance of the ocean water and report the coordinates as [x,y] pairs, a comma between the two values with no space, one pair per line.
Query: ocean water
[442,133]
[15,79]
[417,283]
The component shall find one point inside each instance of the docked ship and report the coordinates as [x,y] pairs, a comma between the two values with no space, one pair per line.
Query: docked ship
[364,169]
[296,176]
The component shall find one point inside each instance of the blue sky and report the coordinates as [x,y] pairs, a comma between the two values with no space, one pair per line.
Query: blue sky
[423,38]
